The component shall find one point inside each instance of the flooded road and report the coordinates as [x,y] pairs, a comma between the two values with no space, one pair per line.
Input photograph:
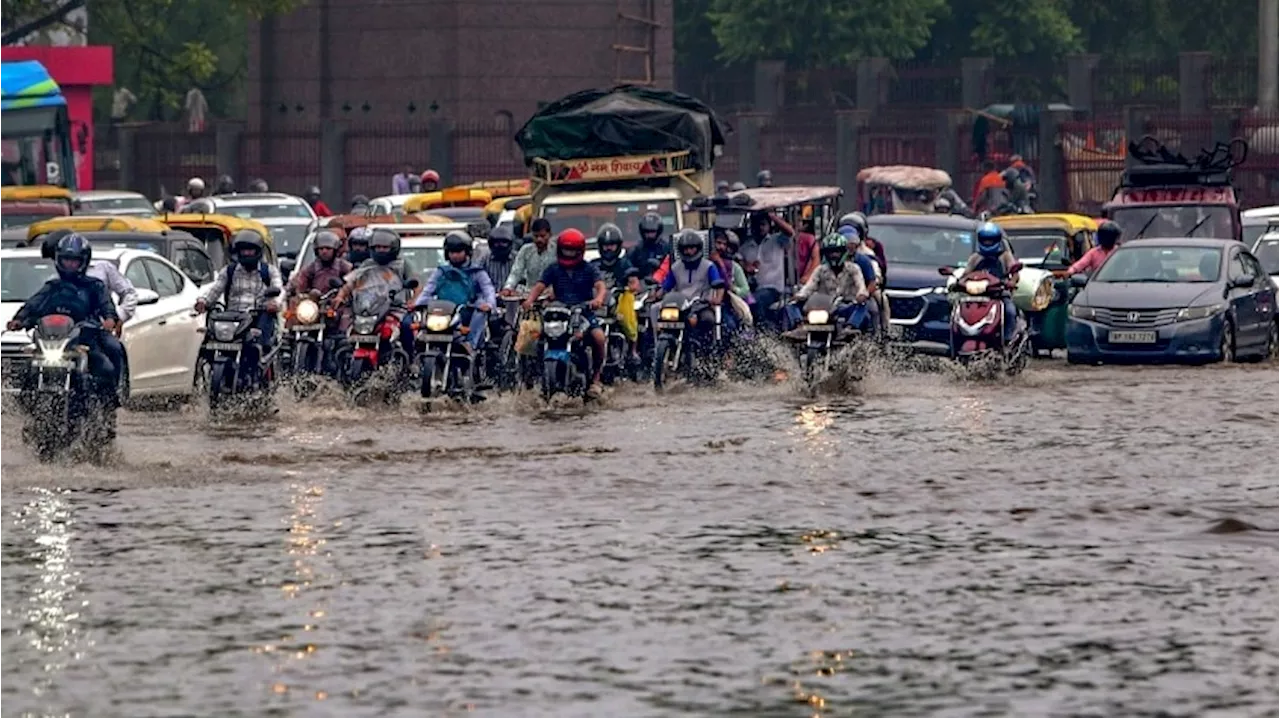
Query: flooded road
[1085,542]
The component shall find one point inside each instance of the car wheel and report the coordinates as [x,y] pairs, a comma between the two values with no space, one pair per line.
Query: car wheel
[1273,341]
[1227,344]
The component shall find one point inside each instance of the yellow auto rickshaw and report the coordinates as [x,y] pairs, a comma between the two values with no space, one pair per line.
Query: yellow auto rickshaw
[37,192]
[493,211]
[96,223]
[216,231]
[501,188]
[456,197]
[1047,244]
[21,206]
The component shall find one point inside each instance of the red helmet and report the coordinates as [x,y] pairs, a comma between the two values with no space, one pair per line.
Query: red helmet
[431,176]
[573,242]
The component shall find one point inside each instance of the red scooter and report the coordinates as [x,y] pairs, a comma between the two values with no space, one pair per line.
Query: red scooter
[978,321]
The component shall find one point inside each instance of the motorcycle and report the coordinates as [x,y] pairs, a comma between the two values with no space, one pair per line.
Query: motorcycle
[978,321]
[674,348]
[308,350]
[225,338]
[566,366]
[374,340]
[445,368]
[644,332]
[825,334]
[502,363]
[59,394]
[617,348]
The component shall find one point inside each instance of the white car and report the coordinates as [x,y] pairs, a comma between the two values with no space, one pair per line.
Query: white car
[114,202]
[162,340]
[421,245]
[1259,221]
[1267,250]
[388,204]
[288,217]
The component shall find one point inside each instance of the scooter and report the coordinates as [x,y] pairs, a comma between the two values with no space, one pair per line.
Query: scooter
[566,365]
[978,322]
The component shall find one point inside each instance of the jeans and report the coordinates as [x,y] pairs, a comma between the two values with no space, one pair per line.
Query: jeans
[113,351]
[1010,319]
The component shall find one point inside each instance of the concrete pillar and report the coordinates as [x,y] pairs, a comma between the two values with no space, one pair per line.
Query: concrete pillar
[975,85]
[1193,82]
[849,126]
[946,139]
[748,130]
[873,91]
[1135,117]
[440,146]
[333,161]
[227,144]
[127,147]
[769,93]
[1051,179]
[1268,52]
[1080,69]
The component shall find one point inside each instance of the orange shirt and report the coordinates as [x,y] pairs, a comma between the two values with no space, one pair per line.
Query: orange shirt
[989,180]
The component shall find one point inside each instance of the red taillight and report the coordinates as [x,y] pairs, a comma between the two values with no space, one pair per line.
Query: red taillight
[57,321]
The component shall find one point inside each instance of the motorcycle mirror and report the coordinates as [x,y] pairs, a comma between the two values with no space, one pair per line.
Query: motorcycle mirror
[1079,280]
[335,283]
[1015,268]
[946,271]
[271,293]
[411,284]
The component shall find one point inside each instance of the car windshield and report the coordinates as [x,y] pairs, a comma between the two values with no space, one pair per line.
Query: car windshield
[1038,245]
[23,277]
[1161,265]
[923,244]
[133,206]
[142,244]
[265,211]
[287,238]
[422,260]
[1174,221]
[1268,253]
[588,218]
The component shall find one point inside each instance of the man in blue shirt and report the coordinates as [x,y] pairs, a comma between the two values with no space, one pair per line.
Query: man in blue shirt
[573,282]
[460,282]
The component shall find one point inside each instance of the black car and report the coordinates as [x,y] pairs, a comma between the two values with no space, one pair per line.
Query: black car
[915,246]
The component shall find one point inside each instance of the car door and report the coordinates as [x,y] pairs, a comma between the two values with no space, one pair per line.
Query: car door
[1243,300]
[177,341]
[140,332]
[1264,297]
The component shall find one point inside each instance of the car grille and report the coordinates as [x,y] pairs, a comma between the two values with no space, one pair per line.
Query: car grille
[1136,318]
[905,308]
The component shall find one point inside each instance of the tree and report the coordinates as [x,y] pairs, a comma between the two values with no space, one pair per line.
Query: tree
[821,33]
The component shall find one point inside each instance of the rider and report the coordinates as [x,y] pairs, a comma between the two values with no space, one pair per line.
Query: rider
[648,255]
[460,282]
[533,259]
[84,298]
[313,198]
[430,181]
[358,246]
[835,279]
[243,284]
[576,282]
[615,268]
[877,309]
[383,272]
[497,262]
[1108,237]
[226,185]
[764,178]
[328,265]
[695,277]
[359,204]
[993,256]
[258,185]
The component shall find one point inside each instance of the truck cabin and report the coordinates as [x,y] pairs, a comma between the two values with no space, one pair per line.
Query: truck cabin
[1172,201]
[36,134]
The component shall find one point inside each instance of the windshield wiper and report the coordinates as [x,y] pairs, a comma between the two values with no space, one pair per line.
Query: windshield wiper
[1193,229]
[1145,226]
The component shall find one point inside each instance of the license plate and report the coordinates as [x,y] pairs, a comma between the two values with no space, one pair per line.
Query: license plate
[222,346]
[670,325]
[1131,337]
[439,338]
[307,327]
[819,328]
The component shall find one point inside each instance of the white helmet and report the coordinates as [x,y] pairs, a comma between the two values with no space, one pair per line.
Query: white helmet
[195,183]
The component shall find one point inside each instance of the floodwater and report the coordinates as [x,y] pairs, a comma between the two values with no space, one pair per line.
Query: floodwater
[1075,542]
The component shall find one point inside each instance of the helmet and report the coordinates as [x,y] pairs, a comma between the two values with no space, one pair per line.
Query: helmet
[457,241]
[501,240]
[72,255]
[722,187]
[195,183]
[834,249]
[737,186]
[247,247]
[359,201]
[1108,234]
[570,246]
[258,185]
[732,239]
[360,236]
[764,178]
[226,185]
[990,239]
[609,236]
[1010,176]
[312,192]
[384,246]
[650,227]
[327,239]
[431,176]
[858,221]
[49,245]
[689,246]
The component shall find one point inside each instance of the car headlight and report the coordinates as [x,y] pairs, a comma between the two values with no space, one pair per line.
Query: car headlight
[669,314]
[438,322]
[1043,296]
[1204,312]
[977,287]
[818,316]
[308,311]
[1080,312]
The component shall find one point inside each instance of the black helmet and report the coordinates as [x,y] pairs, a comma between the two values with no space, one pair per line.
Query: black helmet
[457,241]
[312,191]
[689,246]
[73,248]
[764,178]
[650,227]
[384,246]
[247,247]
[328,239]
[1010,176]
[226,185]
[258,185]
[501,240]
[1108,234]
[359,201]
[360,236]
[611,236]
[49,245]
[737,186]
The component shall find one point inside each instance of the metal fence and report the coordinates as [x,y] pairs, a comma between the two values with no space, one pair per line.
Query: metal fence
[373,152]
[288,159]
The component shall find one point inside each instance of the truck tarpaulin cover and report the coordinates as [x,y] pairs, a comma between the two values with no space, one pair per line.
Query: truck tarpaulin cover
[624,120]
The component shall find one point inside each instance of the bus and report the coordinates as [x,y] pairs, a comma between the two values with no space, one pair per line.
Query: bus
[36,131]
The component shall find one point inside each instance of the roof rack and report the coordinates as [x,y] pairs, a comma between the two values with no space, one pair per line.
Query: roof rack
[613,169]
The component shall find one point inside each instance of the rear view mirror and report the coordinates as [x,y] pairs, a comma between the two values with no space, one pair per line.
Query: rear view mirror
[412,283]
[287,265]
[1079,280]
[272,292]
[147,296]
[335,283]
[1015,267]
[1242,282]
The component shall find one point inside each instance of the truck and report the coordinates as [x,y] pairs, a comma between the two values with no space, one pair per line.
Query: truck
[614,155]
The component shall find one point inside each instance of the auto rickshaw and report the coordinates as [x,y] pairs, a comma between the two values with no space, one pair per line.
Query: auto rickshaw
[501,188]
[96,223]
[428,201]
[1047,244]
[893,188]
[27,205]
[493,211]
[216,231]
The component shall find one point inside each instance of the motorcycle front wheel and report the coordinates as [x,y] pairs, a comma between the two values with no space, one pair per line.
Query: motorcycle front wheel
[220,375]
[661,348]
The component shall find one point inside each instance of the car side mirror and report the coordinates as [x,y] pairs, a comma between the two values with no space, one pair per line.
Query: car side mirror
[147,296]
[1242,282]
[946,271]
[272,292]
[1066,261]
[1015,267]
[1079,280]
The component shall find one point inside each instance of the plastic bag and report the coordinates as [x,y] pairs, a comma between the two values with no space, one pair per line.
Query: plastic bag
[740,308]
[527,337]
[626,313]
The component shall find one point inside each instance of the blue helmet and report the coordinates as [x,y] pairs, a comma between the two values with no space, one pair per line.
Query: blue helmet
[990,240]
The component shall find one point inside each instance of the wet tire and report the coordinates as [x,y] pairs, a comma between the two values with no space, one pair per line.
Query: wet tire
[426,377]
[1227,343]
[220,374]
[809,365]
[660,350]
[1273,342]
[550,379]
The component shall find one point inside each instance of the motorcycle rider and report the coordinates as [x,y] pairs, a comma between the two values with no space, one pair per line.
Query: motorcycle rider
[616,269]
[576,282]
[312,197]
[993,255]
[764,178]
[358,246]
[694,276]
[381,273]
[84,298]
[1108,237]
[498,261]
[764,253]
[195,190]
[314,278]
[460,282]
[359,204]
[834,278]
[1016,200]
[868,245]
[242,286]
[430,181]
[225,185]
[258,185]
[533,259]
[648,255]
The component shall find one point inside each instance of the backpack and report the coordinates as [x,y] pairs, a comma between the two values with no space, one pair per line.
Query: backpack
[455,285]
[263,272]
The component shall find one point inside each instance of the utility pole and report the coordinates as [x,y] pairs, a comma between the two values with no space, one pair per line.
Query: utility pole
[1268,55]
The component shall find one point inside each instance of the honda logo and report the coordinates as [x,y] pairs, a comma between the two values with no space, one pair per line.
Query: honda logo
[1134,316]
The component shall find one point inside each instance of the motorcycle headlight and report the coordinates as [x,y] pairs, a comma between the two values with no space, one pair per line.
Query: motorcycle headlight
[556,330]
[977,287]
[224,331]
[1043,296]
[1204,312]
[818,316]
[1080,312]
[52,349]
[669,314]
[437,322]
[308,312]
